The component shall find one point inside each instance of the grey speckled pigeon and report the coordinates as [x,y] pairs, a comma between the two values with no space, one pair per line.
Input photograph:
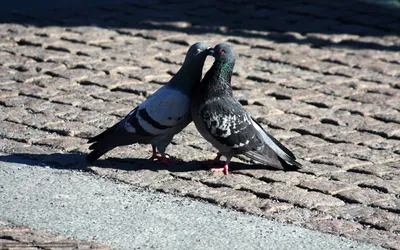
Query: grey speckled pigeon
[223,121]
[161,116]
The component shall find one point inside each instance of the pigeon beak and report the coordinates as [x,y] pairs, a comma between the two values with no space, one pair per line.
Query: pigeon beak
[210,51]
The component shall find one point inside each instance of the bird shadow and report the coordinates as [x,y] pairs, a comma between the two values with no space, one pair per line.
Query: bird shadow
[77,161]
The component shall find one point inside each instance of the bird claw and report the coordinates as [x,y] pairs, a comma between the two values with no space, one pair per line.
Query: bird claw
[161,159]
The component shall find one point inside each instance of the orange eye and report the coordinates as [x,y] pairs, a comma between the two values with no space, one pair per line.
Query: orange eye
[221,51]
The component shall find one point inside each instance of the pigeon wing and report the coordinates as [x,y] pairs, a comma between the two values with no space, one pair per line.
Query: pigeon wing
[229,125]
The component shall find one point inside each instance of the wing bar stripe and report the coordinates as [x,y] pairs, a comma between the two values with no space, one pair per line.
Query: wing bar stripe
[145,116]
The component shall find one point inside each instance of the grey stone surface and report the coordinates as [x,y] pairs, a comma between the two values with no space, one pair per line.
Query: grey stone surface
[84,206]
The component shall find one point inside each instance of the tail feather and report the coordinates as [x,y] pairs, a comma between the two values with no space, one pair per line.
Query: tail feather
[272,144]
[102,143]
[103,134]
[268,158]
[96,154]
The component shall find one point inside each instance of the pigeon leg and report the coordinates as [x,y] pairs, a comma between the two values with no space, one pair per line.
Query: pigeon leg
[155,154]
[159,157]
[215,161]
[224,169]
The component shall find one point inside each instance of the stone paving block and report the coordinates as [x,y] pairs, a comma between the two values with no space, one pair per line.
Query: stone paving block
[389,205]
[62,142]
[359,138]
[268,206]
[14,147]
[54,83]
[388,117]
[383,220]
[57,109]
[321,130]
[7,112]
[320,169]
[75,74]
[29,77]
[36,120]
[21,133]
[143,89]
[75,99]
[19,101]
[342,149]
[362,195]
[313,155]
[339,161]
[295,195]
[366,109]
[353,178]
[31,90]
[379,170]
[72,129]
[74,90]
[234,181]
[306,141]
[178,186]
[375,156]
[222,195]
[285,121]
[325,186]
[187,153]
[105,107]
[374,98]
[110,82]
[299,216]
[387,185]
[13,237]
[334,226]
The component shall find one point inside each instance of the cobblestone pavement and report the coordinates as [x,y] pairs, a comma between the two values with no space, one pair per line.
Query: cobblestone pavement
[322,76]
[18,237]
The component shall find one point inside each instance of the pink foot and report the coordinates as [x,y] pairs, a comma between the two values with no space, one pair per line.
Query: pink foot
[224,169]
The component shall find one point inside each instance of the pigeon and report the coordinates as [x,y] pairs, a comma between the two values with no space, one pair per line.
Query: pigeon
[161,116]
[223,121]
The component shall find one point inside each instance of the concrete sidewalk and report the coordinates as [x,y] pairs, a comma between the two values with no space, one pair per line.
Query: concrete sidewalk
[83,206]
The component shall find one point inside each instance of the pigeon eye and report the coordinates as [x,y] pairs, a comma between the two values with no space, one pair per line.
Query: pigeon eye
[198,51]
[221,51]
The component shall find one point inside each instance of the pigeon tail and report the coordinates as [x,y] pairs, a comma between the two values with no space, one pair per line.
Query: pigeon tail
[268,157]
[96,154]
[104,142]
[103,135]
[272,144]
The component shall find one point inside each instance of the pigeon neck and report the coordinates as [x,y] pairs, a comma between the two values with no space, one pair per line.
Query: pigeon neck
[221,74]
[187,78]
[225,70]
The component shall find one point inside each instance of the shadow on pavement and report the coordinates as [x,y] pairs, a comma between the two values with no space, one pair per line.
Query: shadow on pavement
[235,18]
[78,161]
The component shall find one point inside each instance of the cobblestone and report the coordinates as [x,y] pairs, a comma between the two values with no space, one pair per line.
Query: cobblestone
[321,76]
[18,237]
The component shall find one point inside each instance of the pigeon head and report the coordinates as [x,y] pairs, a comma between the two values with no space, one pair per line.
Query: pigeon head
[223,53]
[197,53]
